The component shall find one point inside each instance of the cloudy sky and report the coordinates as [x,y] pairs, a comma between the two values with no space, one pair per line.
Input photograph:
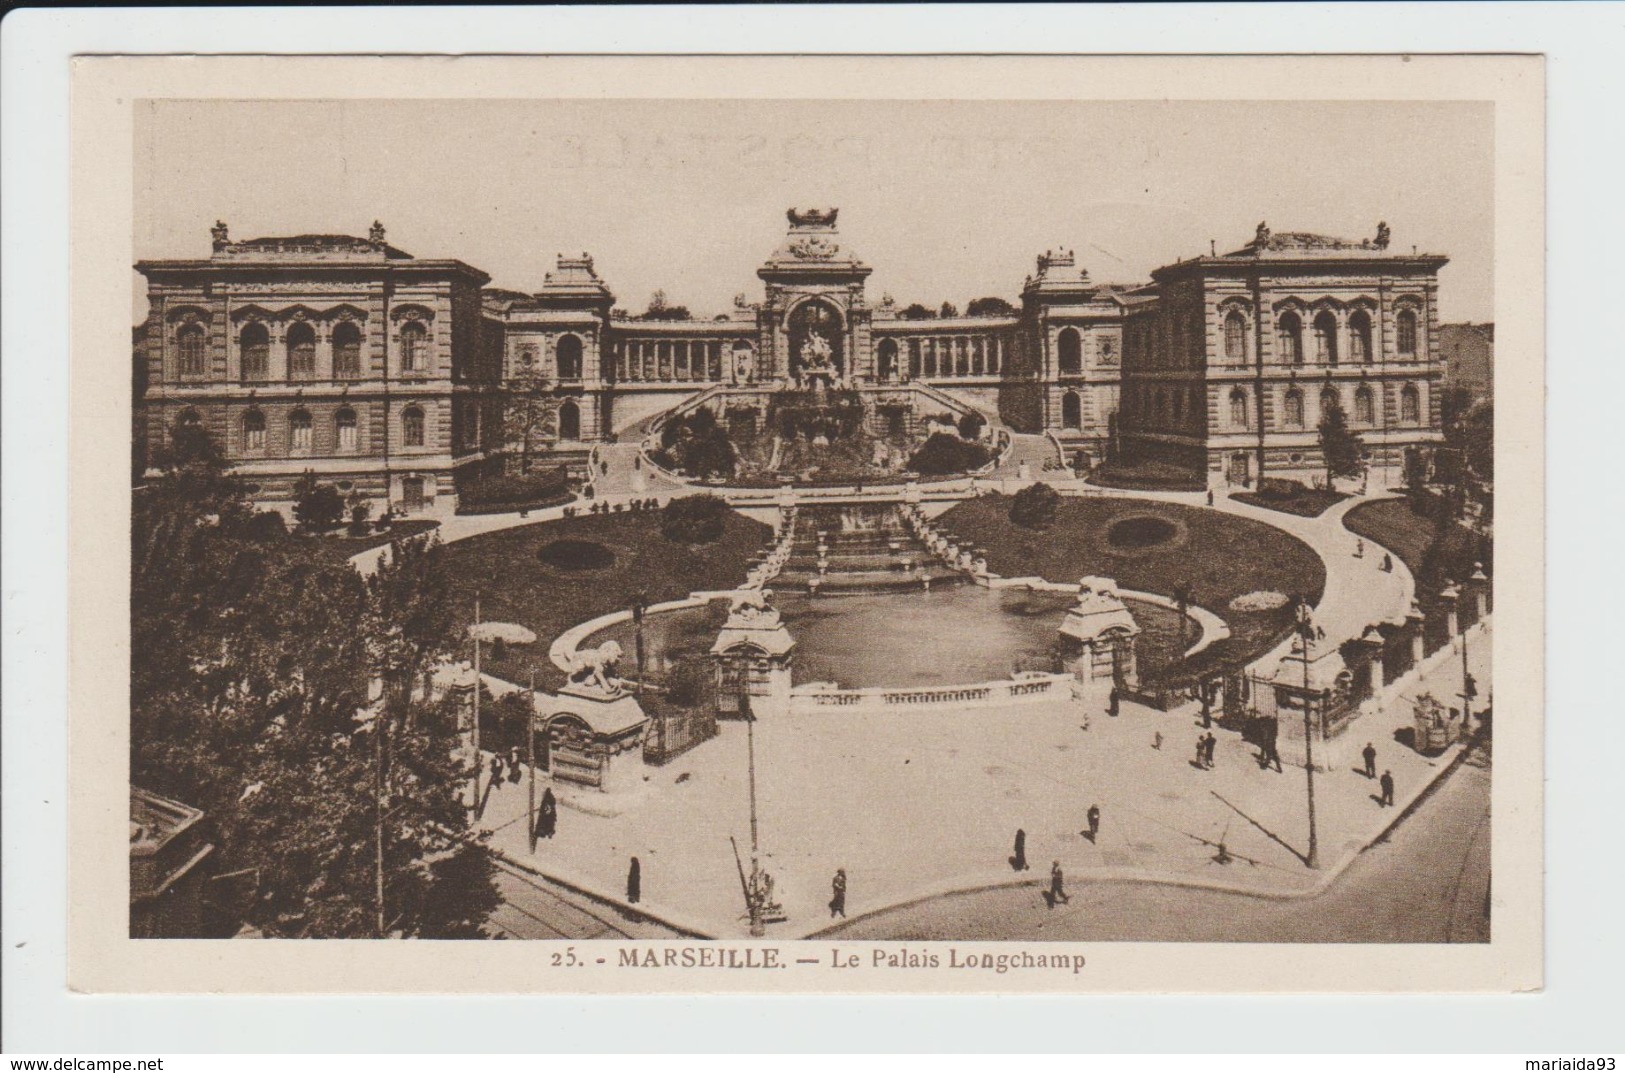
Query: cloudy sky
[946,200]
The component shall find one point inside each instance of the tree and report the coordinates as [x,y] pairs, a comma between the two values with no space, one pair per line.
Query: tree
[971,424]
[528,409]
[660,309]
[916,311]
[949,310]
[251,698]
[989,307]
[1340,447]
[1034,506]
[317,507]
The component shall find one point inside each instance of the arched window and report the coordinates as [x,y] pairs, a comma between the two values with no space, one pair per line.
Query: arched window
[255,344]
[346,351]
[1326,338]
[1360,336]
[1410,405]
[1235,338]
[1071,410]
[345,425]
[569,421]
[414,347]
[412,427]
[888,359]
[1329,400]
[301,352]
[1405,331]
[1364,410]
[1238,408]
[190,345]
[569,357]
[1292,415]
[299,431]
[1069,351]
[1289,333]
[253,431]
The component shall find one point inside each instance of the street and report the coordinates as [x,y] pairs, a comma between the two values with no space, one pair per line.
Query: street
[535,908]
[1428,882]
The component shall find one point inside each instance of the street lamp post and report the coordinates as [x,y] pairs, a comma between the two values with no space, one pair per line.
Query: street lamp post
[1305,635]
[757,928]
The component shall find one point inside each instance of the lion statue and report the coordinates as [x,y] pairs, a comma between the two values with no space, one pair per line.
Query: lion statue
[595,668]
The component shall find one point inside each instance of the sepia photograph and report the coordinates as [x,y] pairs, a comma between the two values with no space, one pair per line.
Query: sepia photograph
[931,537]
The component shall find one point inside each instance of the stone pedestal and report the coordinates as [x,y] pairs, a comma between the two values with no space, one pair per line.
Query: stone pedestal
[592,739]
[753,652]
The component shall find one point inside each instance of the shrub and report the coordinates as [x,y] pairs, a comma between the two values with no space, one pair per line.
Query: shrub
[359,513]
[943,454]
[690,682]
[971,425]
[317,507]
[512,492]
[576,555]
[694,519]
[1034,506]
[1280,488]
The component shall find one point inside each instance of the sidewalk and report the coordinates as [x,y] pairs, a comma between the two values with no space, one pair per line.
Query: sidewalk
[911,805]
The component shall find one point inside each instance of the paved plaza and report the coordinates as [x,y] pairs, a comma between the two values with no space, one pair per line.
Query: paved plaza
[918,804]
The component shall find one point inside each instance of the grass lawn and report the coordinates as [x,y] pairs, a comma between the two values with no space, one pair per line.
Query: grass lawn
[514,585]
[1308,503]
[1216,556]
[1146,476]
[1391,523]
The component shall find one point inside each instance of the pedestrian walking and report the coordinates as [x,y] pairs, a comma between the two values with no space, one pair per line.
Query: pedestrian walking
[1057,885]
[547,820]
[496,770]
[513,764]
[1019,861]
[837,898]
[1387,563]
[1114,702]
[1156,740]
[1210,497]
[1359,549]
[634,882]
[1094,821]
[1387,788]
[1370,755]
[1201,751]
[1212,743]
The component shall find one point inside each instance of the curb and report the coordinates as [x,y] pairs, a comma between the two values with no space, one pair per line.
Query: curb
[663,919]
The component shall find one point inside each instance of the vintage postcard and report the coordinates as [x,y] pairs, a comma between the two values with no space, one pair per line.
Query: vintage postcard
[804,524]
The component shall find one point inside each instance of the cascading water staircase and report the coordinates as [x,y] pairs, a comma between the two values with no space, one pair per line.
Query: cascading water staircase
[860,549]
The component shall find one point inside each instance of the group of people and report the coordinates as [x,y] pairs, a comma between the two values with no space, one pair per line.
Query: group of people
[633,506]
[511,770]
[1205,744]
[1386,783]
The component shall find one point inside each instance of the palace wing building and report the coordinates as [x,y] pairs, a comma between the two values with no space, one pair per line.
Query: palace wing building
[386,374]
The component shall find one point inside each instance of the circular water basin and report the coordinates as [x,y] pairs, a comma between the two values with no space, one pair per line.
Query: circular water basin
[954,636]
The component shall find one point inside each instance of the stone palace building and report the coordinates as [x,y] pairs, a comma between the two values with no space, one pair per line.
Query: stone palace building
[385,373]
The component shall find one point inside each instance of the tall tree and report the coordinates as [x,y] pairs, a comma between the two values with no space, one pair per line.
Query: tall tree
[1339,446]
[252,663]
[528,410]
[989,307]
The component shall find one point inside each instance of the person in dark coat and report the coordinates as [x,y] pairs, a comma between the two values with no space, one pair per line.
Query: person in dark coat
[1210,497]
[1387,785]
[1114,703]
[1019,861]
[1209,743]
[1370,755]
[634,882]
[547,820]
[1057,885]
[837,897]
[1201,750]
[1094,821]
[496,770]
[513,764]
